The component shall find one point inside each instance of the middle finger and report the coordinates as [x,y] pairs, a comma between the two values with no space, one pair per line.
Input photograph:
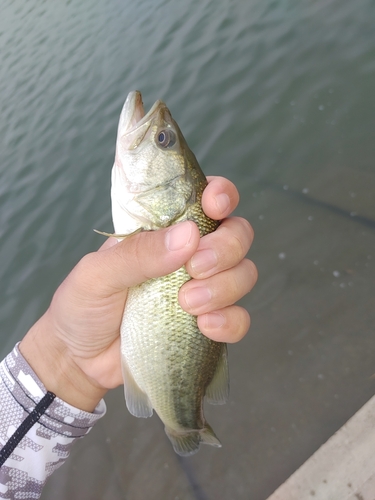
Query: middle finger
[222,249]
[221,290]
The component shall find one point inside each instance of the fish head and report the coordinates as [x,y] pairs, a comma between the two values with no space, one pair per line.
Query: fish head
[154,172]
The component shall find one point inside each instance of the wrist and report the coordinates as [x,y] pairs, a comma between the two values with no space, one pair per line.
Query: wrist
[54,365]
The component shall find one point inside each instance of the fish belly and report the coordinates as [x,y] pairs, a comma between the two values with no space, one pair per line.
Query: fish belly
[167,359]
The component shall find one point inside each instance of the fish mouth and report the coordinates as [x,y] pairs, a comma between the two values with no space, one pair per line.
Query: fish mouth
[133,114]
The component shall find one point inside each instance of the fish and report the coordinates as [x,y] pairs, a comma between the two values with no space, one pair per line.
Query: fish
[168,365]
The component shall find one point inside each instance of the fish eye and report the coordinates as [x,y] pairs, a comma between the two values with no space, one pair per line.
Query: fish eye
[166,138]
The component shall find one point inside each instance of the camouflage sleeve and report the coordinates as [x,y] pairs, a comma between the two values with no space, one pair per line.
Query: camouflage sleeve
[53,429]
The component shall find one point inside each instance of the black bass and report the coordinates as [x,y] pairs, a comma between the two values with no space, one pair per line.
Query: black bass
[168,365]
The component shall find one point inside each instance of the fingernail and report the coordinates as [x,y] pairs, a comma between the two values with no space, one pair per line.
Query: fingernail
[198,296]
[213,320]
[203,261]
[222,202]
[178,236]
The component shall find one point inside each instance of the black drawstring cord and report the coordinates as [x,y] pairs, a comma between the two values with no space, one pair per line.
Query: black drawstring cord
[26,425]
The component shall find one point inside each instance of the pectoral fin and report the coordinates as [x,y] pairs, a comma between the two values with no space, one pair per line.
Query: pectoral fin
[118,236]
[137,401]
[217,392]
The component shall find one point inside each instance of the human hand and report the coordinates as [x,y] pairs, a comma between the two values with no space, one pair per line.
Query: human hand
[75,347]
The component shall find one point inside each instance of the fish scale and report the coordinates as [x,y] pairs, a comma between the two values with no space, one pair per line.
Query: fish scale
[168,365]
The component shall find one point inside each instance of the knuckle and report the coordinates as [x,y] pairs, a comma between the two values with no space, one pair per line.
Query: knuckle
[240,323]
[245,276]
[237,324]
[135,255]
[248,230]
[244,324]
[228,290]
[86,264]
[138,245]
[252,269]
[83,274]
[234,245]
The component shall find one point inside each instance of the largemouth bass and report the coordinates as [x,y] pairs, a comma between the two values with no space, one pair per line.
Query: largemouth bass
[168,364]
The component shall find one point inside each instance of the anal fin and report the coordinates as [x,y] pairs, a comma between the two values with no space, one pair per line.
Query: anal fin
[137,401]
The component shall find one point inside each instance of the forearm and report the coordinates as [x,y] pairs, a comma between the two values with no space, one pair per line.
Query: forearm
[47,444]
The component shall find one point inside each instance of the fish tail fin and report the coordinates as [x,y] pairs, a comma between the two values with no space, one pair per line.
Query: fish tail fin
[187,443]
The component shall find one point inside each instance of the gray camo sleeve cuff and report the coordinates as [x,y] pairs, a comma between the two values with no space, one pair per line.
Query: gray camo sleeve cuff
[47,444]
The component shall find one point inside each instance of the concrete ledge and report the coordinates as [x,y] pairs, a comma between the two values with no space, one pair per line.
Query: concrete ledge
[342,469]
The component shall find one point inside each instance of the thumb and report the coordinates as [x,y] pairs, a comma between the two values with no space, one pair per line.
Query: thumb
[140,257]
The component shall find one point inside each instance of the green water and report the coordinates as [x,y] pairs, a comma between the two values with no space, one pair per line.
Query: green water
[279,97]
